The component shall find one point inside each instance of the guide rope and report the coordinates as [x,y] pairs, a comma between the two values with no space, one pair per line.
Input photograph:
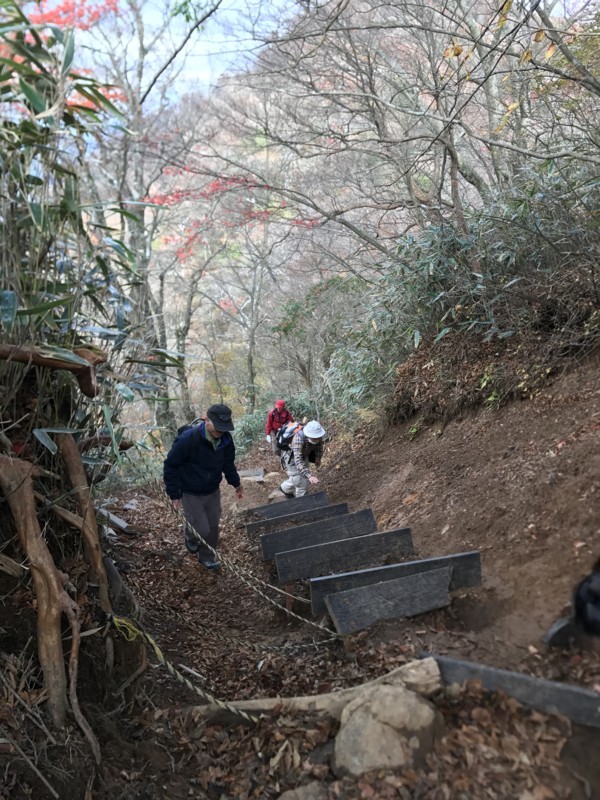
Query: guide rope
[130,631]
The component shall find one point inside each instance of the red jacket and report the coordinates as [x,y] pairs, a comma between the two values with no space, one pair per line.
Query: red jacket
[277,419]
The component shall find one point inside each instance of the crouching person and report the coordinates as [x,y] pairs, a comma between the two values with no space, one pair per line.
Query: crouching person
[306,449]
[193,470]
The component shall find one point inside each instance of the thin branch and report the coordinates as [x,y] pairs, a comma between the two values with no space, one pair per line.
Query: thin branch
[178,50]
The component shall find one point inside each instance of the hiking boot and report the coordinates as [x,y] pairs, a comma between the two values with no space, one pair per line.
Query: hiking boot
[210,563]
[287,494]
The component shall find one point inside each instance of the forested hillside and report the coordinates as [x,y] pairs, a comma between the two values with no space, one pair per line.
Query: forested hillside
[386,213]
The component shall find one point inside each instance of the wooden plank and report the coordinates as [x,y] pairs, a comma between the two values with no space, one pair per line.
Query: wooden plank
[257,473]
[362,551]
[117,522]
[466,571]
[280,509]
[346,527]
[580,705]
[299,518]
[357,609]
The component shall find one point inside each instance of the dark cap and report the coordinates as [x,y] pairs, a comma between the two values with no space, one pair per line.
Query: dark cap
[220,416]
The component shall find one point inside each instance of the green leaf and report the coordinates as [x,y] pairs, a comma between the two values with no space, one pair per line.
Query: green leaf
[125,392]
[37,214]
[118,247]
[28,312]
[96,97]
[8,309]
[417,338]
[111,431]
[64,355]
[33,96]
[68,54]
[511,283]
[441,334]
[41,435]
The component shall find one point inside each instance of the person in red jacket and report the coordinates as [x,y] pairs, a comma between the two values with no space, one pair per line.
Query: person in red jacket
[276,419]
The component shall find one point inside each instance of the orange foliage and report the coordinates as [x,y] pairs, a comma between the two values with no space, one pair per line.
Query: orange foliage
[72,13]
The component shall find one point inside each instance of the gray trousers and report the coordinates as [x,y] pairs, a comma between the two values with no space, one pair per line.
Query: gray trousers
[203,512]
[296,483]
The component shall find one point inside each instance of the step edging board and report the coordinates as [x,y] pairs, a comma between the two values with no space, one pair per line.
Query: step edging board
[309,562]
[347,526]
[299,518]
[358,609]
[579,705]
[466,573]
[284,507]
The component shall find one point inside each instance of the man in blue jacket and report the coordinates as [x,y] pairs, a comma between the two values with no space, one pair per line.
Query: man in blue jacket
[193,470]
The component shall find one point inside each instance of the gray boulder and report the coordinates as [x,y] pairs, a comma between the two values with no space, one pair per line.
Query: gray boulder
[385,727]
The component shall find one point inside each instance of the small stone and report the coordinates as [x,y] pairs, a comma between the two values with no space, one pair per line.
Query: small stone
[311,791]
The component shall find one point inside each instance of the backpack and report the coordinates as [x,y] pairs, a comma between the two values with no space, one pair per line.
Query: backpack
[189,425]
[194,425]
[285,434]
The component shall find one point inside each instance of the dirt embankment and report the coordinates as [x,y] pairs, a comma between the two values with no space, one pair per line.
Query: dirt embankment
[521,484]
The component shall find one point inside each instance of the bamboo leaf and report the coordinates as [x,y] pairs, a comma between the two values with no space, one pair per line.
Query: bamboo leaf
[68,54]
[50,351]
[33,96]
[41,435]
[441,334]
[40,309]
[111,431]
[8,309]
[125,392]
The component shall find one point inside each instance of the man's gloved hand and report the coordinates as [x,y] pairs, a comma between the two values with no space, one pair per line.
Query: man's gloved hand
[269,438]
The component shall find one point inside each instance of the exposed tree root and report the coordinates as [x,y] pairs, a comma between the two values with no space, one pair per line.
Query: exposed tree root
[52,598]
[420,676]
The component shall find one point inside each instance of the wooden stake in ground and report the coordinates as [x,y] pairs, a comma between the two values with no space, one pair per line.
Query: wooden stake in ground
[89,530]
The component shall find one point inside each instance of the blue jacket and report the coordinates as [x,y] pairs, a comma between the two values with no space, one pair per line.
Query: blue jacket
[194,466]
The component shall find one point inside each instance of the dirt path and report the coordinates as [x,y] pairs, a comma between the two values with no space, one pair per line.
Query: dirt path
[521,485]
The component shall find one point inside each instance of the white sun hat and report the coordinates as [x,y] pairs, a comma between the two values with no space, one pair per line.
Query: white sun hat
[314,430]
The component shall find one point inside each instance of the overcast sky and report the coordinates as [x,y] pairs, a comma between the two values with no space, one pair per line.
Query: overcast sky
[229,39]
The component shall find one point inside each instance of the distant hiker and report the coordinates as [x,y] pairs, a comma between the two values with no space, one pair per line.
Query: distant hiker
[193,469]
[306,448]
[276,419]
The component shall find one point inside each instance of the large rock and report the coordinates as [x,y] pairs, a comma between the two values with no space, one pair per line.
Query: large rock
[312,791]
[383,728]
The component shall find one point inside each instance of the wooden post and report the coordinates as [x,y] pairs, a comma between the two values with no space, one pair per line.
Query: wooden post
[89,530]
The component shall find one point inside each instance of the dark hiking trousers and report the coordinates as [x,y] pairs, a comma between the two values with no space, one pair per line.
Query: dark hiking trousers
[203,512]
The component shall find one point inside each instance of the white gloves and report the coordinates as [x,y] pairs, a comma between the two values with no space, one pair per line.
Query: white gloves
[268,439]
